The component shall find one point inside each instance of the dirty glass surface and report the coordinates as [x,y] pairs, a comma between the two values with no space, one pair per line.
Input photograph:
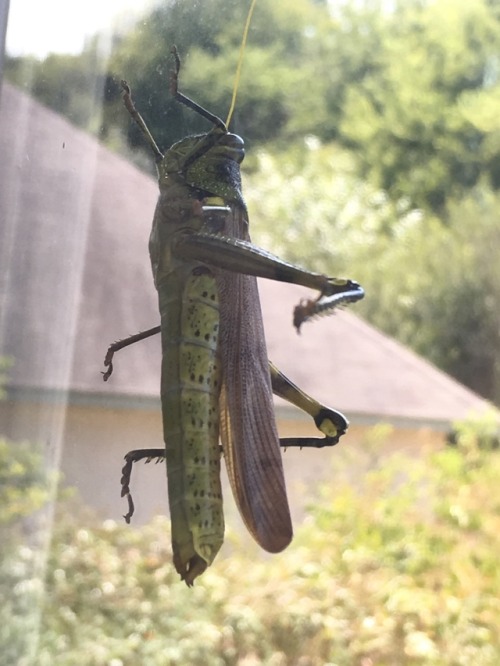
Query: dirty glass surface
[372,132]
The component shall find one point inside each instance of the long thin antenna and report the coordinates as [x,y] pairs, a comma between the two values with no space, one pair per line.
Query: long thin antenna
[240,62]
[187,101]
[139,120]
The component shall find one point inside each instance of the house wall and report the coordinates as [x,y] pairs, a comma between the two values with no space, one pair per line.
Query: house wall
[95,440]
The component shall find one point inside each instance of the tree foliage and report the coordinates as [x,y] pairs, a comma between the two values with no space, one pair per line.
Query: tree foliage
[73,85]
[434,286]
[208,36]
[411,88]
[442,287]
[23,482]
[423,118]
[25,488]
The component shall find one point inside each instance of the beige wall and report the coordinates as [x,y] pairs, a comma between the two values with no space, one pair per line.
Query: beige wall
[95,441]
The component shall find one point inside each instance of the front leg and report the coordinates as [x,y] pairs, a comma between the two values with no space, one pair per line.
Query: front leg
[331,423]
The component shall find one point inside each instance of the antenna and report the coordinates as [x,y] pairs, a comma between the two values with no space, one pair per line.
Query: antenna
[187,101]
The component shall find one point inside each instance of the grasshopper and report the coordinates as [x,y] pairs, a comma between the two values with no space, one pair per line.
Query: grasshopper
[216,380]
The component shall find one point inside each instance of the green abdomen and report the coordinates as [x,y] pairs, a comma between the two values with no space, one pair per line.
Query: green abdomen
[190,387]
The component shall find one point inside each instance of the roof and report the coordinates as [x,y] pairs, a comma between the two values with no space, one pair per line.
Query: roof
[75,276]
[357,368]
[74,223]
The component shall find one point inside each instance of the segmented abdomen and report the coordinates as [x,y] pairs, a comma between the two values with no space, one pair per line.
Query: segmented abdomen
[190,387]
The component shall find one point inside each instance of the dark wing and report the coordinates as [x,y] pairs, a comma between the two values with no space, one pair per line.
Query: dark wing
[248,426]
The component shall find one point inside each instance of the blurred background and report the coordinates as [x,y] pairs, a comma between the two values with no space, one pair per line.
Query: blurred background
[372,139]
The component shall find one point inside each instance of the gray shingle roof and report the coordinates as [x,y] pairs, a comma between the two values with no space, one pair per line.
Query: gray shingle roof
[75,275]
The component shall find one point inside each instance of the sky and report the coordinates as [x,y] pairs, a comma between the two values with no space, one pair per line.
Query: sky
[37,27]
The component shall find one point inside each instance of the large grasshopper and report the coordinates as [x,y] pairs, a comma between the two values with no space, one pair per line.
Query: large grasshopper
[216,379]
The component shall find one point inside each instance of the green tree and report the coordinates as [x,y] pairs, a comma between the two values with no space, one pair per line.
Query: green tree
[437,288]
[208,37]
[434,286]
[411,88]
[308,204]
[423,117]
[72,85]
